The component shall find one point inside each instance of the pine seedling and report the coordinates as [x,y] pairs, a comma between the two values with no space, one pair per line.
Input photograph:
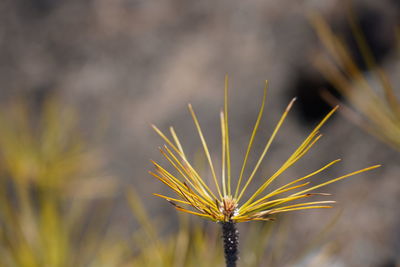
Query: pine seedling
[229,204]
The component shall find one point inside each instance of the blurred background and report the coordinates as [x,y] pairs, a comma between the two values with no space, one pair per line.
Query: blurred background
[81,82]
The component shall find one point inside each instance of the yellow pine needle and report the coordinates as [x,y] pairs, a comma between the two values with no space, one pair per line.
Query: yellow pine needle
[171,199]
[223,134]
[304,147]
[189,178]
[193,174]
[286,187]
[205,147]
[168,175]
[187,195]
[203,204]
[178,167]
[274,203]
[277,127]
[302,208]
[164,181]
[228,153]
[177,142]
[284,167]
[277,192]
[169,184]
[281,189]
[197,203]
[195,213]
[166,139]
[175,184]
[297,205]
[197,177]
[337,179]
[247,219]
[306,204]
[253,134]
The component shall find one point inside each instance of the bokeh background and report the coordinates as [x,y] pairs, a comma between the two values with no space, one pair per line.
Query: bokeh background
[120,65]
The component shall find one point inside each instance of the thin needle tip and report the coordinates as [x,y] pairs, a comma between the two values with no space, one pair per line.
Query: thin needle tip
[291,104]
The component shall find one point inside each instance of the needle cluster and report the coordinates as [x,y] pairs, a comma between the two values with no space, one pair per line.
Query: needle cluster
[228,203]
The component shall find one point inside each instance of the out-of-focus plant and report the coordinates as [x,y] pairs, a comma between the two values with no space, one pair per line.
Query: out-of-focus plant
[188,247]
[47,216]
[224,205]
[375,106]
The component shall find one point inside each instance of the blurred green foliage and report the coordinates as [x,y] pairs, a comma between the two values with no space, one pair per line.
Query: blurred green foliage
[53,206]
[371,98]
[44,163]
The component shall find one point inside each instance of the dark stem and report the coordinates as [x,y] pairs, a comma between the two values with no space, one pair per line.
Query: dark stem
[231,242]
